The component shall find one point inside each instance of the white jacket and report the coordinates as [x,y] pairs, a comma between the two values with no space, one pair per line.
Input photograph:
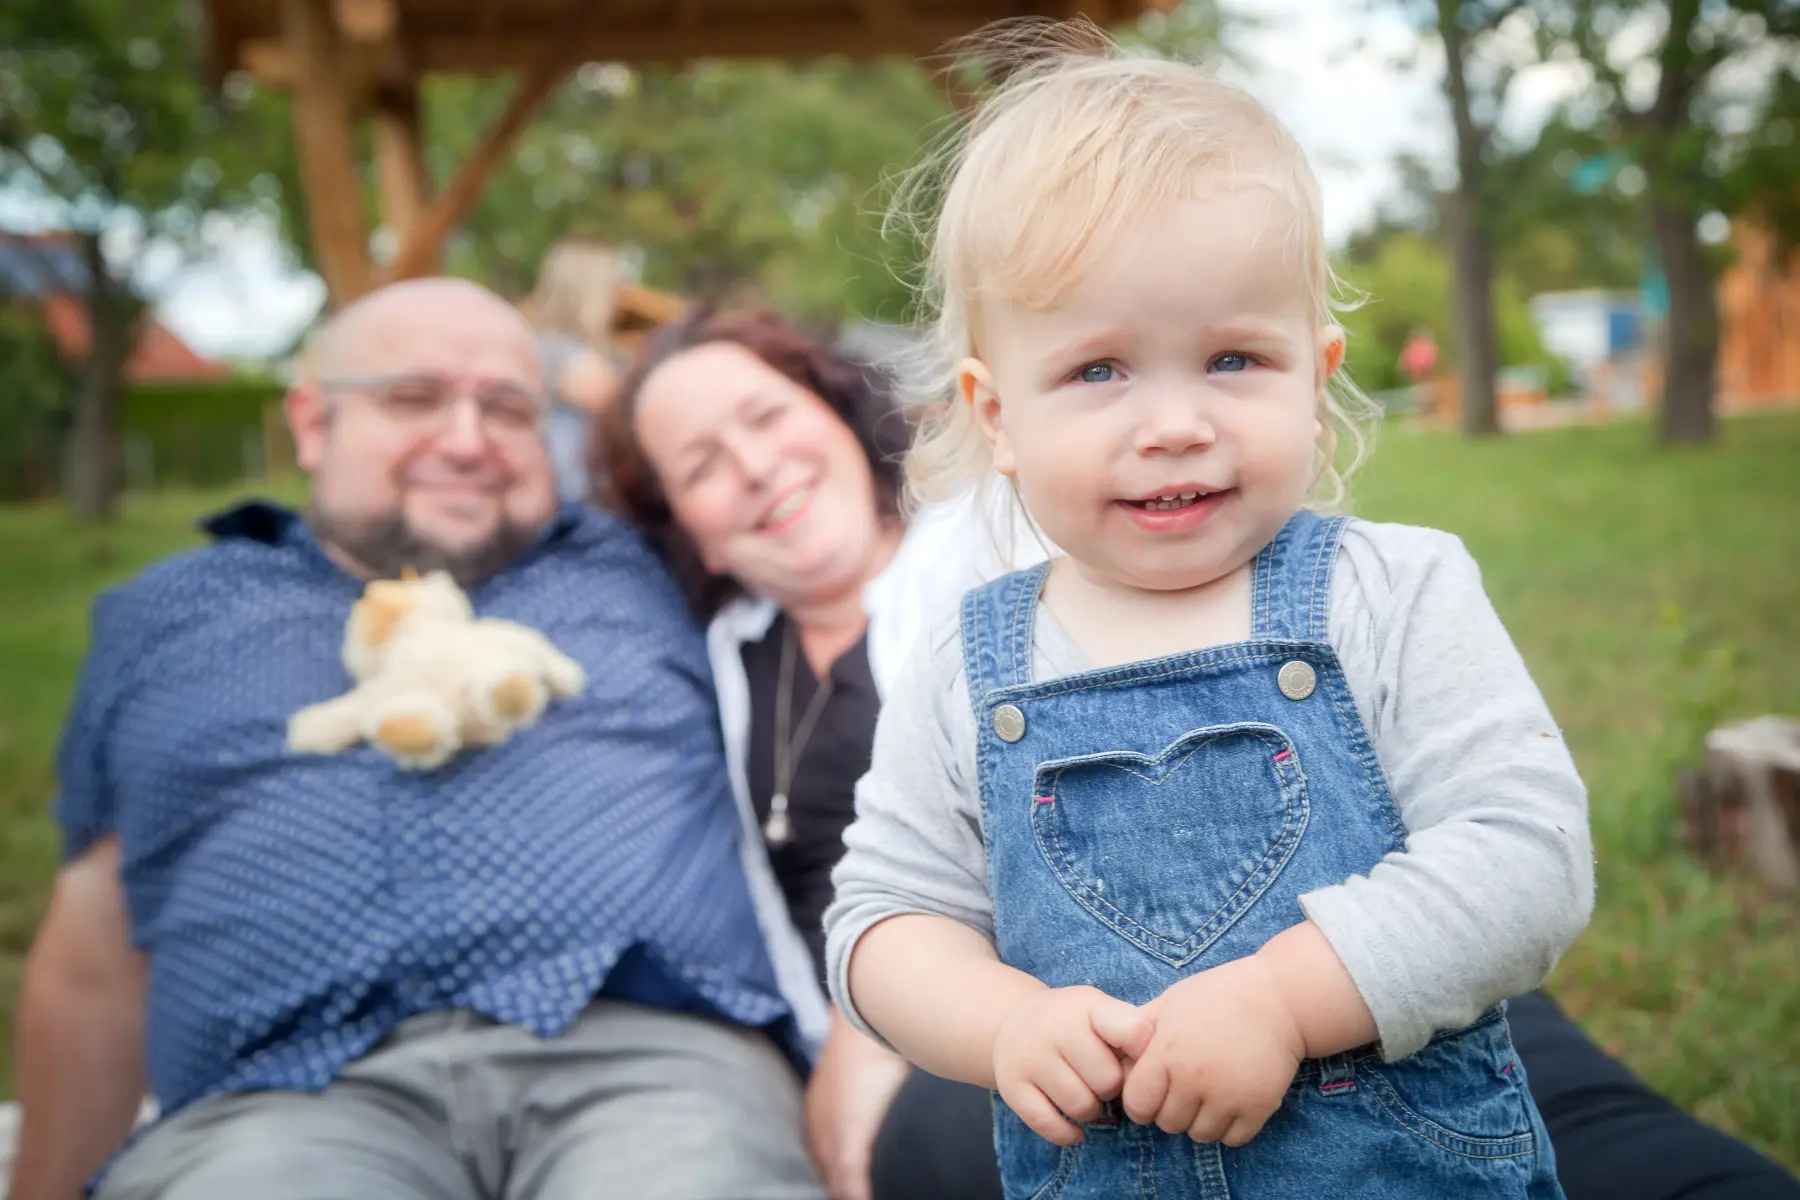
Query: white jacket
[947,550]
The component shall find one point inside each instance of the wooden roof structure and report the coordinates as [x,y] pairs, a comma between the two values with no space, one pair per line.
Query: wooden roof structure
[345,61]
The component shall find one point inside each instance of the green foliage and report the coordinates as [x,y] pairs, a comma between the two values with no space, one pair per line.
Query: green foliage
[1716,132]
[1405,282]
[719,175]
[35,389]
[105,121]
[1550,235]
[730,179]
[103,111]
[195,433]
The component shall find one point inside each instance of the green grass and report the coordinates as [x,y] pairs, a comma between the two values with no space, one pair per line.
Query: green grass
[1653,593]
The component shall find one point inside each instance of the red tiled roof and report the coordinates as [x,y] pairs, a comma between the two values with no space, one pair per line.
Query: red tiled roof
[159,357]
[40,270]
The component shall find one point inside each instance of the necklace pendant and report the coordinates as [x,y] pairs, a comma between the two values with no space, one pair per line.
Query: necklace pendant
[777,829]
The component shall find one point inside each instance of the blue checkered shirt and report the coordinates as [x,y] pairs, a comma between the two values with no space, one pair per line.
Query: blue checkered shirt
[296,908]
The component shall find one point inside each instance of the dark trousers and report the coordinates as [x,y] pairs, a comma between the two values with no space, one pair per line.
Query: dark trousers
[1615,1139]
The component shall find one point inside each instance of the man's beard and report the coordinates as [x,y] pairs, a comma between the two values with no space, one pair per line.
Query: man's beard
[386,545]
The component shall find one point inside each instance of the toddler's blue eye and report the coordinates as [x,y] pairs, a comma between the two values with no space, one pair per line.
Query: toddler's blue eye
[1232,362]
[1097,373]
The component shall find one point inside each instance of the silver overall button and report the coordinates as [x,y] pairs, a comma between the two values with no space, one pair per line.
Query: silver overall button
[1009,723]
[1297,680]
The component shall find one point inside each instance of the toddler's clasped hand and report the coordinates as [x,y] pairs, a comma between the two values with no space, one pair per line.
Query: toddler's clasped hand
[1211,1057]
[1225,1049]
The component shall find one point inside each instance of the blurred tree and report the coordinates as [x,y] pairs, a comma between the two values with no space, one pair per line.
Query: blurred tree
[1406,279]
[716,177]
[1551,231]
[1481,49]
[1696,93]
[105,122]
[726,179]
[35,390]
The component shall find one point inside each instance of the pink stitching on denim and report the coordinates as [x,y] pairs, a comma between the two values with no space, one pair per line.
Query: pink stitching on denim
[1337,1087]
[1046,799]
[1284,756]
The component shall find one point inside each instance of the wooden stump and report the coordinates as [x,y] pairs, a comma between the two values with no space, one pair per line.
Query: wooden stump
[1743,809]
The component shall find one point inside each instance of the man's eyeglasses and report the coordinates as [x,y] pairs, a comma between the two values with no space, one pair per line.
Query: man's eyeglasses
[424,403]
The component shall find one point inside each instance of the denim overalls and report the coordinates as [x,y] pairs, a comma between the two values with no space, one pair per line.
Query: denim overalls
[1149,821]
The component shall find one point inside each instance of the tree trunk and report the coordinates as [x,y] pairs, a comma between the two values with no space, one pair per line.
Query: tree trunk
[1673,158]
[1691,339]
[1474,318]
[1468,232]
[93,478]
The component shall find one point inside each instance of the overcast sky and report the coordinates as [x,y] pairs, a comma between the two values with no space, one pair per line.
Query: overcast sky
[1325,66]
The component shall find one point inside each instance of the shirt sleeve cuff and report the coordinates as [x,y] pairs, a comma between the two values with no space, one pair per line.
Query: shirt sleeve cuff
[1402,1030]
[839,947]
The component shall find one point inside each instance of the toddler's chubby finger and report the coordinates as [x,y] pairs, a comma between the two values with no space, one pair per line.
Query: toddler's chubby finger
[1211,1124]
[1178,1113]
[1243,1130]
[1066,1089]
[1035,1109]
[1146,1087]
[1095,1062]
[1125,1027]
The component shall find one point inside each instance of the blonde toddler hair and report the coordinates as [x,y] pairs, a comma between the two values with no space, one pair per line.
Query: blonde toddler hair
[1082,141]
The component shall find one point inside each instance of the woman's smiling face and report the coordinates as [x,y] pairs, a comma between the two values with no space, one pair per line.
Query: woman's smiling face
[771,485]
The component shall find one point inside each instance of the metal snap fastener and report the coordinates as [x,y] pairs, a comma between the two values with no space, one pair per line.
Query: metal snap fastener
[1009,723]
[1297,680]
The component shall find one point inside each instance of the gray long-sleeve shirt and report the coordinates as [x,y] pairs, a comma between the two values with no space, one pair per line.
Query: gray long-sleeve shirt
[1497,875]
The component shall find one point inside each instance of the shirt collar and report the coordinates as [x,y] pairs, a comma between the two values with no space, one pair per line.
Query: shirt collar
[275,524]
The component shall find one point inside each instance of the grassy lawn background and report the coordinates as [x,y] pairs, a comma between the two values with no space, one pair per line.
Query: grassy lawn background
[1654,594]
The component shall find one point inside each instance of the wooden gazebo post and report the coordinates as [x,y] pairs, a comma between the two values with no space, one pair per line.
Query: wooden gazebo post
[346,60]
[325,135]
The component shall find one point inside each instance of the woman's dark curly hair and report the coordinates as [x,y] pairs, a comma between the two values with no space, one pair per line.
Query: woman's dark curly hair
[860,395]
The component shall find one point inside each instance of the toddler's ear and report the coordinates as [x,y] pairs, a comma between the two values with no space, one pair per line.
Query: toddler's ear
[1331,351]
[976,383]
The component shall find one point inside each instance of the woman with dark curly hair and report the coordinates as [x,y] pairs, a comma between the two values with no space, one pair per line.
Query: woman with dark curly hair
[764,465]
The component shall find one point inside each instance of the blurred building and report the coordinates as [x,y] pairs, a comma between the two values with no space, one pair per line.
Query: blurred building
[46,274]
[1759,322]
[1602,335]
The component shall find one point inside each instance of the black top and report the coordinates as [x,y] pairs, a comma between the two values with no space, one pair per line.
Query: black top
[821,797]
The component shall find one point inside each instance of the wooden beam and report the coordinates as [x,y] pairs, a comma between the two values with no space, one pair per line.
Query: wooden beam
[487,36]
[325,135]
[883,17]
[671,44]
[635,44]
[400,179]
[364,66]
[421,249]
[369,22]
[270,62]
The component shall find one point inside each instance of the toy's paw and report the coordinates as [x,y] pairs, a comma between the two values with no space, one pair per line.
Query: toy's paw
[513,701]
[565,676]
[418,740]
[320,729]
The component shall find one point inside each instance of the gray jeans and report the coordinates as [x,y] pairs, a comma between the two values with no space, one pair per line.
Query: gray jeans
[628,1102]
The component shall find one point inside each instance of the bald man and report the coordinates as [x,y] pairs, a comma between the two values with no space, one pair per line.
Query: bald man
[533,974]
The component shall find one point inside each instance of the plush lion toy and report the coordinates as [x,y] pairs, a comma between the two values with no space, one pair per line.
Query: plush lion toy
[431,679]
